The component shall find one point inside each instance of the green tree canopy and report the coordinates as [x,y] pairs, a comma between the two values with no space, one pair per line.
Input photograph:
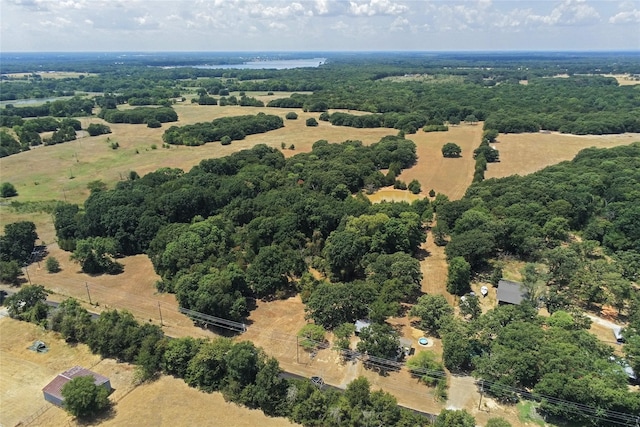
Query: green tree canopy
[451,149]
[83,398]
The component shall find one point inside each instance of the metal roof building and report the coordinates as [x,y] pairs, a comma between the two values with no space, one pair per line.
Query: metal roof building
[53,390]
[510,292]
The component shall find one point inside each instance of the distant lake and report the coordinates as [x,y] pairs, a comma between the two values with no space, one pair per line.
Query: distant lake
[275,64]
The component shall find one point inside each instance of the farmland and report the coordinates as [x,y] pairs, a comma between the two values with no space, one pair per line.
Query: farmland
[258,232]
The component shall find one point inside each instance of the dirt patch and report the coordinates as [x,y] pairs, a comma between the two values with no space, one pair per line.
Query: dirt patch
[389,194]
[525,153]
[625,79]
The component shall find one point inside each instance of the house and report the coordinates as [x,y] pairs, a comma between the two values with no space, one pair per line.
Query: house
[53,390]
[510,292]
[361,324]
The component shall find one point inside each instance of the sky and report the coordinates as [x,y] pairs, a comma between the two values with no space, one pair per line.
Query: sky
[318,25]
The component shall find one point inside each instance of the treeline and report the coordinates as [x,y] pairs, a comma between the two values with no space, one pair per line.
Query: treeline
[406,122]
[581,105]
[235,128]
[28,133]
[139,115]
[243,373]
[76,106]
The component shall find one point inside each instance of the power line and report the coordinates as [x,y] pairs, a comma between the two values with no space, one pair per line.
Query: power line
[608,415]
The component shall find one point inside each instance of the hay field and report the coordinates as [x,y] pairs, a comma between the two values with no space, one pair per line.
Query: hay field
[446,176]
[23,374]
[526,153]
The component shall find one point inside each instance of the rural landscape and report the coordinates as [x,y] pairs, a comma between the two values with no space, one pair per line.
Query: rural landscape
[355,239]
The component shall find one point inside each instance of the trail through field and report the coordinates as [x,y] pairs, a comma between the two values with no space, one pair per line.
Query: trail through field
[434,270]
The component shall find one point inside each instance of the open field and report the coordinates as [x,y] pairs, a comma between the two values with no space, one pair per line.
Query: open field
[23,373]
[525,153]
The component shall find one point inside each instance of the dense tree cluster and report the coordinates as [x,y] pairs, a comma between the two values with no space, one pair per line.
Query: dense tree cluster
[592,196]
[95,129]
[76,106]
[139,115]
[406,122]
[236,128]
[250,223]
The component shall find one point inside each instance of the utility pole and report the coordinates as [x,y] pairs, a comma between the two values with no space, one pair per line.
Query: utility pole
[297,357]
[161,324]
[481,392]
[87,286]
[26,270]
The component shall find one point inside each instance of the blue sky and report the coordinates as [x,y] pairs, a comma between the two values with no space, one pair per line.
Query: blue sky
[318,25]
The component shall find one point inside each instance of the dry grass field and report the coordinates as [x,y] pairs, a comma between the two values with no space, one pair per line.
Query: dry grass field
[23,374]
[522,154]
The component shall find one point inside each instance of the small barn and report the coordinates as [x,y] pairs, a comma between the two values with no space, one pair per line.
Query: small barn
[53,390]
[510,292]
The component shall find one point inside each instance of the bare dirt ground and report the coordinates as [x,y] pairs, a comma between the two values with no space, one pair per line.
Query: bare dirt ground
[522,154]
[23,374]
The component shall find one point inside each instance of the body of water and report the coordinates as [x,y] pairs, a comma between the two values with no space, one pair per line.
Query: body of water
[275,64]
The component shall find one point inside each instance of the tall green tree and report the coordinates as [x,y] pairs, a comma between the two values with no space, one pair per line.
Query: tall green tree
[83,398]
[434,312]
[459,276]
[28,304]
[18,242]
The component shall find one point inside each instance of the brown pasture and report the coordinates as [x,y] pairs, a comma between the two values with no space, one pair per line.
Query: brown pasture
[23,374]
[522,154]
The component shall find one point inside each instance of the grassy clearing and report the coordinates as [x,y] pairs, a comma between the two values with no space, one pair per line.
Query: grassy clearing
[527,413]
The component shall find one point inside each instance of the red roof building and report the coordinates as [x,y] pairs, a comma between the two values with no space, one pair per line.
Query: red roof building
[53,390]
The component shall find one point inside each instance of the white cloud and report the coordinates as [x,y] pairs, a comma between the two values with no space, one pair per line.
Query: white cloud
[399,24]
[277,26]
[322,7]
[569,12]
[58,22]
[376,7]
[277,12]
[627,17]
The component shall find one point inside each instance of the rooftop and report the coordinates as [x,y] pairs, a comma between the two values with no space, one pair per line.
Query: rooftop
[511,292]
[54,388]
